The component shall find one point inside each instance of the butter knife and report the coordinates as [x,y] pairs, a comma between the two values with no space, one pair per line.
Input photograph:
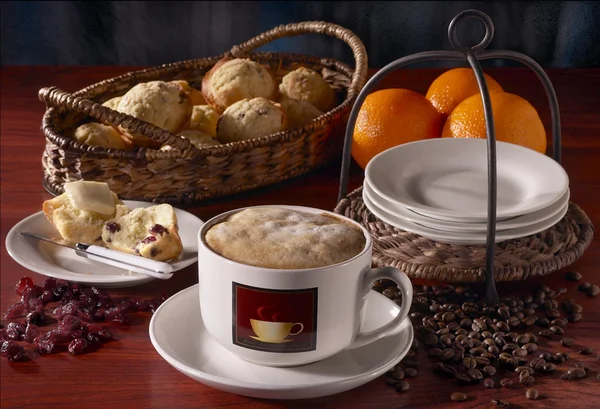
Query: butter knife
[137,264]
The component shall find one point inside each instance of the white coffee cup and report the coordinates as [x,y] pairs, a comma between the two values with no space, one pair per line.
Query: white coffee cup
[285,317]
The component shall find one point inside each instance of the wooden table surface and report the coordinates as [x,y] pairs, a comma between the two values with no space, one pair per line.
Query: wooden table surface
[129,373]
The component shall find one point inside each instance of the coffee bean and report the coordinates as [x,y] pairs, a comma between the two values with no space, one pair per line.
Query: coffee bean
[397,374]
[505,355]
[448,370]
[493,349]
[530,347]
[567,342]
[546,333]
[544,322]
[549,367]
[411,353]
[575,318]
[567,376]
[447,339]
[482,360]
[583,366]
[520,352]
[500,403]
[415,344]
[584,287]
[402,386]
[593,291]
[520,361]
[557,330]
[533,338]
[447,354]
[537,364]
[529,321]
[434,352]
[521,369]
[448,317]
[458,397]
[466,322]
[573,276]
[469,363]
[532,394]
[453,326]
[410,372]
[586,351]
[578,372]
[558,358]
[475,374]
[431,340]
[552,313]
[443,331]
[489,383]
[477,351]
[506,383]
[527,380]
[391,381]
[545,355]
[489,370]
[503,326]
[559,322]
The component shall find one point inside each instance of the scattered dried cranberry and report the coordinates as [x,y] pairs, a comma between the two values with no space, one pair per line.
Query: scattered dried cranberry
[16,310]
[31,293]
[35,305]
[78,346]
[47,296]
[142,305]
[120,319]
[157,229]
[23,283]
[5,346]
[31,332]
[50,284]
[149,239]
[112,227]
[13,351]
[36,318]
[14,330]
[70,323]
[44,345]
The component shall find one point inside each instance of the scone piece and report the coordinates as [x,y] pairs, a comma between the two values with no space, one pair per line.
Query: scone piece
[274,237]
[113,103]
[195,95]
[250,118]
[204,119]
[230,81]
[160,103]
[307,85]
[150,232]
[298,112]
[97,134]
[76,224]
[199,139]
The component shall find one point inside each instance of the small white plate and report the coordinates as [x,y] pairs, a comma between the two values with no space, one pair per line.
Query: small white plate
[60,262]
[462,238]
[443,225]
[446,178]
[179,336]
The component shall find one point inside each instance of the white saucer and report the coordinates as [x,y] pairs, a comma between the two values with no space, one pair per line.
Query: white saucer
[60,262]
[179,336]
[446,178]
[516,222]
[462,238]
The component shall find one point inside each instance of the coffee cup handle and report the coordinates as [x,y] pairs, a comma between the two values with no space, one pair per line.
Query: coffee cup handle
[403,282]
[300,330]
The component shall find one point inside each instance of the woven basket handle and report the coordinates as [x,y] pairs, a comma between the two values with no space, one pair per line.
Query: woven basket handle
[56,97]
[358,49]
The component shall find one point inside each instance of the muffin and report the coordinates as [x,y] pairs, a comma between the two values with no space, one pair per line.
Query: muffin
[199,139]
[230,81]
[112,103]
[307,85]
[250,118]
[160,103]
[195,95]
[298,112]
[150,232]
[204,118]
[80,212]
[97,134]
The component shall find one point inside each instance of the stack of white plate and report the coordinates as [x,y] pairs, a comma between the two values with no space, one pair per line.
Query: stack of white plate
[438,189]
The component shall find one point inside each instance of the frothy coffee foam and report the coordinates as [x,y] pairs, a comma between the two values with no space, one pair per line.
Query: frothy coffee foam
[286,239]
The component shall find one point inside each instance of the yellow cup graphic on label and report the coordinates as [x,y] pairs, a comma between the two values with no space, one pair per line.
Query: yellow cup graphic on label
[274,332]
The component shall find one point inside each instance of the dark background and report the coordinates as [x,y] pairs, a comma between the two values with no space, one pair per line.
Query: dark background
[562,34]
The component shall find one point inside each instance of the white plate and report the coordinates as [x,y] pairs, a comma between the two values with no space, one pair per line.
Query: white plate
[179,336]
[462,238]
[447,178]
[443,225]
[60,262]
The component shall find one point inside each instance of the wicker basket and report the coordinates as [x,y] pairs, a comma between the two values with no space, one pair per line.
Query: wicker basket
[187,175]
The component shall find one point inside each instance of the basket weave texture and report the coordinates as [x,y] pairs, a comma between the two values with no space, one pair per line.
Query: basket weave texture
[518,259]
[187,175]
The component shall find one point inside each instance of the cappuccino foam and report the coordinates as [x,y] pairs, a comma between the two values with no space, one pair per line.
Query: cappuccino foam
[274,237]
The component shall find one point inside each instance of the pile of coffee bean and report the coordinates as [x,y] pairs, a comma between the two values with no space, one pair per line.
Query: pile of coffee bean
[473,342]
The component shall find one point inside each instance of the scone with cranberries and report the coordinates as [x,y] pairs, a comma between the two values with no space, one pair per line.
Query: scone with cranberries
[232,80]
[298,112]
[250,118]
[97,134]
[150,232]
[307,85]
[160,103]
[79,214]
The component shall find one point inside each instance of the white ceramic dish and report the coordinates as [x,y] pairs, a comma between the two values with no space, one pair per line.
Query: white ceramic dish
[60,262]
[443,225]
[446,178]
[178,335]
[462,238]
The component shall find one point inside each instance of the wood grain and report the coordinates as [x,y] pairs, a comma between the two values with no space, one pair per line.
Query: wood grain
[129,373]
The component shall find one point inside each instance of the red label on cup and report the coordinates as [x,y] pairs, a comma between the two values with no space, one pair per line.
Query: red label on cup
[274,320]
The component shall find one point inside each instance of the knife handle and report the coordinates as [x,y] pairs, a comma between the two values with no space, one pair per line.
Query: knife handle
[138,264]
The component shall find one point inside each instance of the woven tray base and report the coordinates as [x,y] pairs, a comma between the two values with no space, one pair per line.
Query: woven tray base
[518,259]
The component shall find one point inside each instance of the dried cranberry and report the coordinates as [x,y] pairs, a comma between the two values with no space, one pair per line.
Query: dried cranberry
[75,288]
[15,330]
[67,297]
[23,283]
[47,296]
[104,335]
[35,305]
[5,346]
[158,229]
[120,319]
[31,293]
[80,333]
[93,327]
[16,310]
[70,308]
[13,352]
[149,239]
[70,323]
[154,304]
[31,332]
[78,346]
[59,336]
[50,284]
[85,314]
[99,314]
[92,339]
[44,345]
[126,306]
[3,335]
[142,305]
[36,318]
[112,227]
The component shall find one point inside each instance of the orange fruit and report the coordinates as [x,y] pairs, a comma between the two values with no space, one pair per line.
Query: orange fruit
[515,120]
[391,117]
[454,86]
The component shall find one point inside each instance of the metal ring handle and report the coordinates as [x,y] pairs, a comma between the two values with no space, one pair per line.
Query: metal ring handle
[467,15]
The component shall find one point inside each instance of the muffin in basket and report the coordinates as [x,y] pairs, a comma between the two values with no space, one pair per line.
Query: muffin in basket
[232,80]
[204,119]
[250,118]
[97,134]
[113,103]
[160,103]
[298,112]
[307,85]
[195,95]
